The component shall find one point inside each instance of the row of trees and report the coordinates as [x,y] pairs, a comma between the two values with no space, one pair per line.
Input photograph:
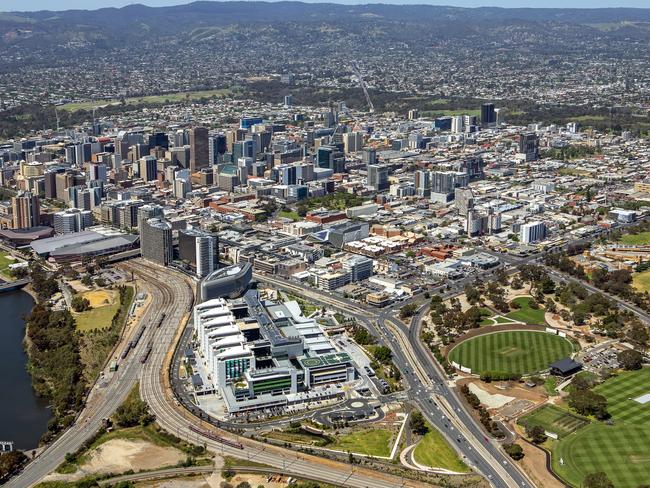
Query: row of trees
[55,363]
[489,424]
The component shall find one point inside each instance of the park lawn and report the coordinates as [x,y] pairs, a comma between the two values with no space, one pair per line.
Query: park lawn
[5,261]
[621,391]
[550,385]
[289,215]
[371,442]
[641,281]
[525,313]
[641,238]
[554,419]
[96,318]
[434,451]
[621,451]
[518,351]
[147,100]
[486,313]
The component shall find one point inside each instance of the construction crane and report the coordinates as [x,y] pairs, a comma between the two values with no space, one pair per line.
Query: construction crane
[357,73]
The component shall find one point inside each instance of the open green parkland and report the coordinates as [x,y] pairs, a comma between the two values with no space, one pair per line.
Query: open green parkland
[517,351]
[620,448]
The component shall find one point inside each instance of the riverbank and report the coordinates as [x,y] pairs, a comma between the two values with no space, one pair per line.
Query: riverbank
[24,419]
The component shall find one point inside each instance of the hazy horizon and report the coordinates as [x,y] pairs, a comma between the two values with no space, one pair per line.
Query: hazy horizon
[34,5]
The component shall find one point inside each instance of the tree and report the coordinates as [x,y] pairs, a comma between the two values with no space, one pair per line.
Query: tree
[244,484]
[417,423]
[597,480]
[472,294]
[546,285]
[80,304]
[536,434]
[361,336]
[10,463]
[514,451]
[383,354]
[133,411]
[638,335]
[583,381]
[408,311]
[587,402]
[551,307]
[473,317]
[630,359]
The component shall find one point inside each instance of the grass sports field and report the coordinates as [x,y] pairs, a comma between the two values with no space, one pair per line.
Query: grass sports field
[554,419]
[518,351]
[621,392]
[621,450]
[525,313]
[639,239]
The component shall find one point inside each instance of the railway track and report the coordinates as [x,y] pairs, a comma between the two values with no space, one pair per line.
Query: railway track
[155,390]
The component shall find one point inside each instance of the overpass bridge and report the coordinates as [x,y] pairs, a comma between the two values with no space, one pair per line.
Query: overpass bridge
[14,285]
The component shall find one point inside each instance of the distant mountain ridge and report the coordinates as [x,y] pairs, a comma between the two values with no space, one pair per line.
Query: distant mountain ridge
[107,27]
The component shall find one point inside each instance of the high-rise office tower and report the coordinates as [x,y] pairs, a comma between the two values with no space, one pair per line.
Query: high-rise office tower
[378,177]
[26,210]
[182,186]
[353,141]
[369,156]
[464,201]
[533,232]
[144,213]
[529,146]
[199,150]
[217,148]
[457,123]
[156,241]
[444,183]
[72,220]
[200,249]
[97,171]
[488,115]
[423,183]
[148,168]
[159,139]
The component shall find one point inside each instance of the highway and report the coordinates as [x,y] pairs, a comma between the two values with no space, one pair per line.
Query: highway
[101,403]
[428,386]
[176,420]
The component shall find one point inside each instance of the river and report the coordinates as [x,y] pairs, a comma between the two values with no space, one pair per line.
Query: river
[23,416]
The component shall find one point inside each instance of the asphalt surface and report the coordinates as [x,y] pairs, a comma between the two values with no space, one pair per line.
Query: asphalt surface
[427,383]
[176,420]
[101,403]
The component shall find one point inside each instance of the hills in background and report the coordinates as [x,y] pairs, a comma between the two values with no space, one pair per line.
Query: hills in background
[139,21]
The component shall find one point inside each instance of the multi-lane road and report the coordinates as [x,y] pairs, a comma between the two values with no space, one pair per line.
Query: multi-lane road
[102,401]
[175,419]
[427,383]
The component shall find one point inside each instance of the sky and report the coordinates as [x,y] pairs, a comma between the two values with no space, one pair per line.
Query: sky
[22,5]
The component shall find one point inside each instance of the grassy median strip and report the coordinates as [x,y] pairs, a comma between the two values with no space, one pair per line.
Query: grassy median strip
[435,452]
